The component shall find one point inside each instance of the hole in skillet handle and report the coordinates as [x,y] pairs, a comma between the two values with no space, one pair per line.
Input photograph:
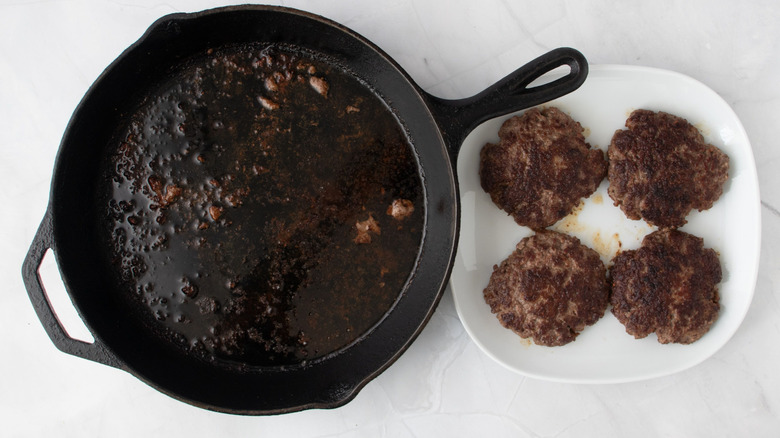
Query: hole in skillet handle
[43,244]
[515,92]
[60,301]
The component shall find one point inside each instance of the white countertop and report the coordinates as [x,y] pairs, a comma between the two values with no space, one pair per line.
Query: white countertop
[444,385]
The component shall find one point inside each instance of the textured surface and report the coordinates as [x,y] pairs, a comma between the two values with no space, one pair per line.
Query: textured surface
[541,168]
[443,386]
[660,169]
[667,286]
[549,289]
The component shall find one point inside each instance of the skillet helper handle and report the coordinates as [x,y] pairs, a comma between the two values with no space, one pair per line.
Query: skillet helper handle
[42,242]
[457,118]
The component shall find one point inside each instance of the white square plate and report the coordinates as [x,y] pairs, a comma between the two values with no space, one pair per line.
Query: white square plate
[604,352]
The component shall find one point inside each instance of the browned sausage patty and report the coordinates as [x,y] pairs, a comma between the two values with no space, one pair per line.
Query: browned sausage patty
[549,289]
[668,286]
[660,169]
[541,167]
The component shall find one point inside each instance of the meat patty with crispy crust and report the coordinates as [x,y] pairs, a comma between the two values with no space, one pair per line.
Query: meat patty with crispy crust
[660,169]
[667,286]
[541,168]
[549,289]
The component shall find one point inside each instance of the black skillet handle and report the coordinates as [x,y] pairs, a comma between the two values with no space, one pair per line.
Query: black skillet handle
[43,241]
[456,118]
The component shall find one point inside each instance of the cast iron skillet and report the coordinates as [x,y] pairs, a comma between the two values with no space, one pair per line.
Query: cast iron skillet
[436,128]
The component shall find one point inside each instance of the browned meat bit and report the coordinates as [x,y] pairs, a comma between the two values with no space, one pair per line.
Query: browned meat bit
[549,289]
[156,184]
[172,192]
[320,85]
[271,84]
[215,212]
[660,169]
[400,209]
[163,195]
[267,103]
[667,286]
[365,228]
[189,289]
[541,168]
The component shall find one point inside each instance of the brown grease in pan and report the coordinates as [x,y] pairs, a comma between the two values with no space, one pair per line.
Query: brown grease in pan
[262,206]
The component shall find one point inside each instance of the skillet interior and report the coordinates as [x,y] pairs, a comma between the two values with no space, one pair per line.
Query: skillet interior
[241,388]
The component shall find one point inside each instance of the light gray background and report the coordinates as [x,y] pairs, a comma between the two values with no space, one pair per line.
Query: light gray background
[51,51]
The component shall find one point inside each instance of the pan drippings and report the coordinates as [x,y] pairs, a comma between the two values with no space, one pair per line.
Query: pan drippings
[262,206]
